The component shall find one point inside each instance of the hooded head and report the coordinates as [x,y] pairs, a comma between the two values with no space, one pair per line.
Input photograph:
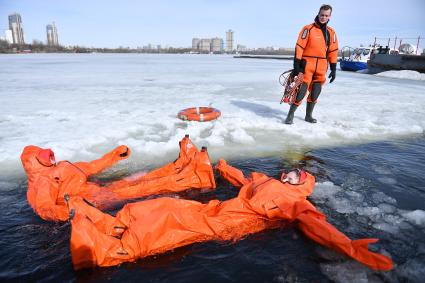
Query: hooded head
[35,159]
[46,157]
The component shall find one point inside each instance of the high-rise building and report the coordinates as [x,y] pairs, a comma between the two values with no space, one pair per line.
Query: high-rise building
[205,45]
[8,36]
[229,40]
[15,25]
[217,44]
[195,43]
[52,35]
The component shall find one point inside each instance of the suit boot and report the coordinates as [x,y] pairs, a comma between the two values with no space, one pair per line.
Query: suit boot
[309,111]
[290,117]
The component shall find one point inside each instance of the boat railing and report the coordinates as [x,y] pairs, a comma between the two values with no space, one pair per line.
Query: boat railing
[397,43]
[356,54]
[346,52]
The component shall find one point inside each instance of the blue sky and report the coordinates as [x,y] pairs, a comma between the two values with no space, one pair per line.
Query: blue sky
[256,23]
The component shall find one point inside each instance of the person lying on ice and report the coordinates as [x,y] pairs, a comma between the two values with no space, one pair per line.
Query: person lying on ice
[49,181]
[158,225]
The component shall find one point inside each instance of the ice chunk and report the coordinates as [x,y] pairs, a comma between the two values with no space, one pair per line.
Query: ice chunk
[416,217]
[387,180]
[380,197]
[324,191]
[387,208]
[403,74]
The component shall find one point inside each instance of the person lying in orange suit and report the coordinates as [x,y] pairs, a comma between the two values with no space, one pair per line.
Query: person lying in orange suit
[49,181]
[158,225]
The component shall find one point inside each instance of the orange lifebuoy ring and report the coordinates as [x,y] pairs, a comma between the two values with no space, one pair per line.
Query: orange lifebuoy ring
[200,114]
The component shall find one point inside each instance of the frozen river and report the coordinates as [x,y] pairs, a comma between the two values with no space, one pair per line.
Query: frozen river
[367,151]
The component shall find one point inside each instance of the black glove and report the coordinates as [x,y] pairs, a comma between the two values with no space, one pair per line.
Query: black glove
[299,66]
[332,75]
[124,154]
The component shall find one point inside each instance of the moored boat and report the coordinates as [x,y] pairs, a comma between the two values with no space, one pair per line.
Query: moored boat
[355,59]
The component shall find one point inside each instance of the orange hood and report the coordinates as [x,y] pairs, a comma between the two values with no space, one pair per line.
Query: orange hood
[33,167]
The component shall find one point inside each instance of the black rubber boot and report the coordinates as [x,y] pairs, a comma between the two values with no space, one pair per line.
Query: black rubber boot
[290,118]
[300,95]
[309,111]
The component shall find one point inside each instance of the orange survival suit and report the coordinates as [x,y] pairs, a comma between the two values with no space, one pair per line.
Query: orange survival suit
[48,182]
[317,45]
[154,226]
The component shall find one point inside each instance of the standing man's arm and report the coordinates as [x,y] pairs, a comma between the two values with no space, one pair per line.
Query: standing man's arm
[333,54]
[299,50]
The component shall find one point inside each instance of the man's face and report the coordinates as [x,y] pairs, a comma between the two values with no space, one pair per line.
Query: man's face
[324,16]
[292,178]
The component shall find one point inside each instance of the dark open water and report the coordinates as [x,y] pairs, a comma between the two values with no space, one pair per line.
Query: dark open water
[372,190]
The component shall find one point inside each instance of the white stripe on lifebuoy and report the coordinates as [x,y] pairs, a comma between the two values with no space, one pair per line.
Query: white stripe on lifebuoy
[201,114]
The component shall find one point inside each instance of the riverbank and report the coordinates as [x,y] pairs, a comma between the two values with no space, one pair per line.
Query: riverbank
[278,57]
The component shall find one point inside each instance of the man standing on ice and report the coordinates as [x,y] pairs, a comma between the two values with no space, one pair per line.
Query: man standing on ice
[316,46]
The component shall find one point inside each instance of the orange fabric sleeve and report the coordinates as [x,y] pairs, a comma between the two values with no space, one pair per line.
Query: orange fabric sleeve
[45,201]
[106,161]
[314,225]
[231,174]
[322,232]
[333,47]
[302,42]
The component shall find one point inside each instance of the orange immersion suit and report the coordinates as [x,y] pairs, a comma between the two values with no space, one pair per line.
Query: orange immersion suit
[154,226]
[316,48]
[48,183]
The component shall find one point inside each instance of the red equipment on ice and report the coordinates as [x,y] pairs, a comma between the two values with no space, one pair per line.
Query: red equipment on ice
[291,84]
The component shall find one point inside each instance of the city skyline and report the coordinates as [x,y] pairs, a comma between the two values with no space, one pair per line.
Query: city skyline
[257,24]
[52,35]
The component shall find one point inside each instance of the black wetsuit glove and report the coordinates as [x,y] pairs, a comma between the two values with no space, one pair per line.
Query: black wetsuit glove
[298,67]
[124,154]
[332,75]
